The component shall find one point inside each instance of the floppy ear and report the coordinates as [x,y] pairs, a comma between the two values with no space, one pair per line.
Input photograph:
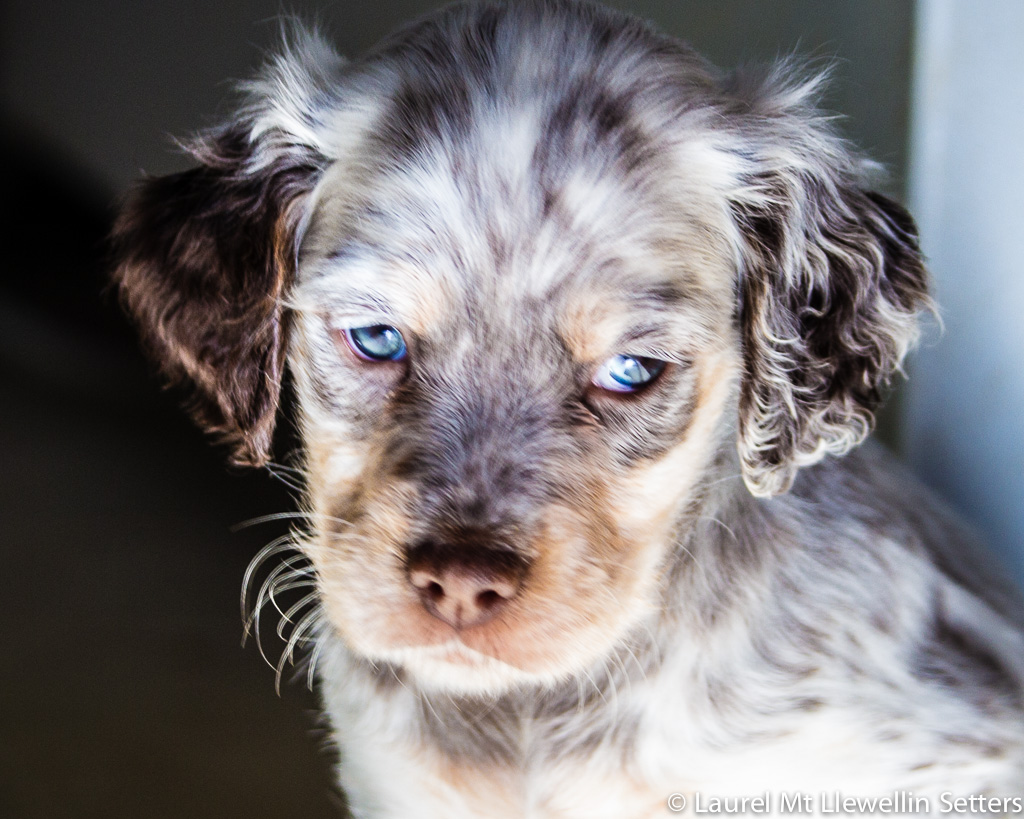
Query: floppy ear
[206,257]
[831,284]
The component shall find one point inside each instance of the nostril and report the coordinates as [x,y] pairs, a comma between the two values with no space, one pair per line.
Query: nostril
[433,590]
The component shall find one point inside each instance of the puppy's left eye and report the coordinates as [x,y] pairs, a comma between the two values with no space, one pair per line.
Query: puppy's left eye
[627,373]
[381,342]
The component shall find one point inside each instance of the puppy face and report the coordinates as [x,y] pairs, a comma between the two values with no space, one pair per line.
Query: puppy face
[541,280]
[496,453]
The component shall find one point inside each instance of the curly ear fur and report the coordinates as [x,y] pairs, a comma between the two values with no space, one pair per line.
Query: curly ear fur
[831,284]
[205,257]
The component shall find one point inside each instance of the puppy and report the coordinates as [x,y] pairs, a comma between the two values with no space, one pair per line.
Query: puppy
[576,326]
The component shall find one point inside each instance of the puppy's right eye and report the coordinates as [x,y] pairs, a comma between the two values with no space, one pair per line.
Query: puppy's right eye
[627,373]
[380,342]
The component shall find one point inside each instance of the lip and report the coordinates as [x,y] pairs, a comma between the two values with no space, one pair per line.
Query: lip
[458,653]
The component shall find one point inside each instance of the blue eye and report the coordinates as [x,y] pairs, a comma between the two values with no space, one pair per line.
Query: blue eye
[381,342]
[627,373]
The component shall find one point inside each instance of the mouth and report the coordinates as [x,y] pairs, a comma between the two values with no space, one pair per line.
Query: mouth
[456,652]
[454,667]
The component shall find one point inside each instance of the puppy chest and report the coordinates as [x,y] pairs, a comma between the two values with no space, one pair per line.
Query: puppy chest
[552,789]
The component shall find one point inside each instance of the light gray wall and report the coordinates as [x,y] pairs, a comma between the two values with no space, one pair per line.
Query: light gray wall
[965,399]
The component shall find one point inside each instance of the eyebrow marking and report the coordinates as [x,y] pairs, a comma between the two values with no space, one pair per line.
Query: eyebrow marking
[349,300]
[661,295]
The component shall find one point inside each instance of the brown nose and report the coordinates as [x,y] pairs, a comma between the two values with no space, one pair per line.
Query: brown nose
[464,585]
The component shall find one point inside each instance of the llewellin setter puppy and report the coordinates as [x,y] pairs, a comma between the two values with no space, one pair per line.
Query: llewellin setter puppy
[578,328]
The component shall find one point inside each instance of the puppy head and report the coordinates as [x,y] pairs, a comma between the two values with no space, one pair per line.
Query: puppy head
[536,272]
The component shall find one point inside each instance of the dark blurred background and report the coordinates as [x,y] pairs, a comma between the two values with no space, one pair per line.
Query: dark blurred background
[124,691]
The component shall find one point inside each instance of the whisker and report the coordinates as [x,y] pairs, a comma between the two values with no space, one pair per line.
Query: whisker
[314,656]
[277,578]
[284,585]
[292,572]
[297,638]
[295,515]
[285,475]
[298,514]
[595,686]
[277,546]
[294,470]
[286,618]
[713,519]
[736,476]
[581,705]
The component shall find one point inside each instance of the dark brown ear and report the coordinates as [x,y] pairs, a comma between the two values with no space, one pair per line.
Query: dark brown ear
[831,285]
[205,258]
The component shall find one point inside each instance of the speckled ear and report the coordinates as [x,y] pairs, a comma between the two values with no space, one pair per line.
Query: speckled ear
[832,282]
[206,257]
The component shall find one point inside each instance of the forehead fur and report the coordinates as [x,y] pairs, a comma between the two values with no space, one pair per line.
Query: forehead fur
[512,150]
